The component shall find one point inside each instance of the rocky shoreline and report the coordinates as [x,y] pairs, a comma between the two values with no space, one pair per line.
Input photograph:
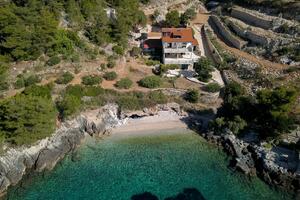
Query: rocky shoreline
[273,167]
[45,154]
[276,166]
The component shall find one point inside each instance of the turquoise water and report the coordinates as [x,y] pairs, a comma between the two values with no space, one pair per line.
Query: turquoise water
[164,164]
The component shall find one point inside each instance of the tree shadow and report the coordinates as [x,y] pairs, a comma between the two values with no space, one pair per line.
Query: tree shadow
[186,194]
[144,196]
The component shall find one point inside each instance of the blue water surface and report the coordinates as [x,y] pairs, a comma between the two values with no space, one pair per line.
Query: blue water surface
[118,167]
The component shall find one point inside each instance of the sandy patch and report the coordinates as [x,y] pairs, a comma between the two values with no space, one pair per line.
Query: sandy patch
[163,121]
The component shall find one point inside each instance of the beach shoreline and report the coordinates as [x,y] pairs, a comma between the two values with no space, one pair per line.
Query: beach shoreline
[162,121]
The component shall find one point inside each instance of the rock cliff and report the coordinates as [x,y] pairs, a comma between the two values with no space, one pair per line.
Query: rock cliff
[46,153]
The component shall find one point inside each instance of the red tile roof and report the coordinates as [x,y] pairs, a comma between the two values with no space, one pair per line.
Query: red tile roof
[178,35]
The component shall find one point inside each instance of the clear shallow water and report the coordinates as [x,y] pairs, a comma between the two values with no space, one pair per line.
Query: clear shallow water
[165,164]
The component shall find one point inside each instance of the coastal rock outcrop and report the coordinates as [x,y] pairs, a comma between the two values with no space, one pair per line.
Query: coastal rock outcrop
[276,166]
[45,154]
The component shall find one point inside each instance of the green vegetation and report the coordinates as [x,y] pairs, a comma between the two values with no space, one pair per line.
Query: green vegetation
[124,83]
[188,15]
[269,112]
[135,52]
[91,80]
[150,82]
[111,61]
[53,61]
[20,83]
[172,19]
[204,67]
[212,87]
[152,62]
[72,99]
[65,78]
[192,96]
[158,97]
[27,117]
[164,68]
[3,74]
[26,80]
[118,50]
[29,28]
[110,76]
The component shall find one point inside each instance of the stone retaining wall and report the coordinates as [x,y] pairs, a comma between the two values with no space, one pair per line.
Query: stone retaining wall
[211,48]
[251,18]
[249,34]
[226,34]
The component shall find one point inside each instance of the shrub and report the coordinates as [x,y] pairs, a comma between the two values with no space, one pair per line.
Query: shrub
[91,80]
[129,103]
[172,19]
[92,91]
[20,83]
[4,85]
[26,118]
[124,83]
[237,125]
[204,68]
[110,76]
[118,50]
[69,105]
[150,82]
[65,78]
[152,62]
[102,66]
[75,90]
[192,96]
[40,91]
[212,87]
[32,79]
[75,58]
[158,97]
[53,61]
[111,64]
[135,51]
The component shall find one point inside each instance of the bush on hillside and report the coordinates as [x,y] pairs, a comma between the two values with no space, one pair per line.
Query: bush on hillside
[26,119]
[53,61]
[118,50]
[31,80]
[129,103]
[68,105]
[91,80]
[135,52]
[40,91]
[152,62]
[20,83]
[192,96]
[65,78]
[204,68]
[124,83]
[111,64]
[212,87]
[150,82]
[110,76]
[158,97]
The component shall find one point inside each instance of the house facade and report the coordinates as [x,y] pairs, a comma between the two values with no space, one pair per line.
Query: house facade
[174,46]
[179,46]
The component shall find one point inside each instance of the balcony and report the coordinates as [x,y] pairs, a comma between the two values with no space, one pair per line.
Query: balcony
[178,61]
[176,50]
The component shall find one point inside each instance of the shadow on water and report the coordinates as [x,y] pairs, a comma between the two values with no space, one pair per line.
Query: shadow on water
[186,194]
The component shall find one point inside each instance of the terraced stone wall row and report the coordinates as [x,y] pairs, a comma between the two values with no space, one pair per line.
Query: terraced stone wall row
[226,33]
